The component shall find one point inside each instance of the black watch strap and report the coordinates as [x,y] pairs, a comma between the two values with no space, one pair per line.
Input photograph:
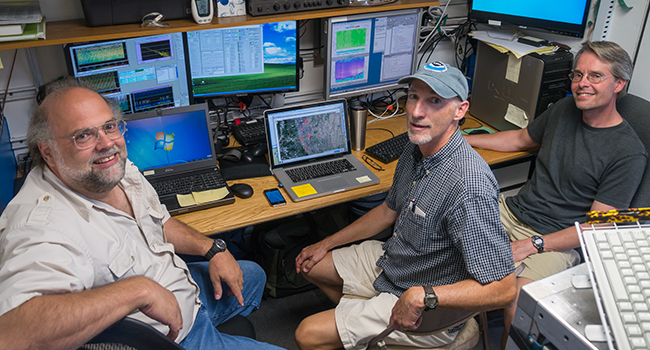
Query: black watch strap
[538,242]
[430,298]
[218,246]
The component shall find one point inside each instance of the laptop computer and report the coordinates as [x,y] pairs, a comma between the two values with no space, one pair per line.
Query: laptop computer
[169,146]
[618,258]
[303,138]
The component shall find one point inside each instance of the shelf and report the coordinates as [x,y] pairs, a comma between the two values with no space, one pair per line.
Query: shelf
[72,31]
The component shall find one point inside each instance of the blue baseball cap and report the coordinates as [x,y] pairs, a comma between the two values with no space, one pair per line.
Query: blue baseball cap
[445,80]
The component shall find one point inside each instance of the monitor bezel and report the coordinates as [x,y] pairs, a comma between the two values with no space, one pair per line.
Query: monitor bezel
[528,23]
[327,93]
[205,98]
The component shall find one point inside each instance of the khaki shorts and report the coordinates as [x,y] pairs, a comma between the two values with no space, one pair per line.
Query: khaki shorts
[363,312]
[540,265]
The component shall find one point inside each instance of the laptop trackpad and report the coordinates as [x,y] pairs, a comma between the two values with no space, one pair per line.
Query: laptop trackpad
[170,202]
[334,184]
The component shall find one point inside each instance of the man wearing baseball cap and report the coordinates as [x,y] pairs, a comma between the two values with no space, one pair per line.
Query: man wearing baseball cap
[448,248]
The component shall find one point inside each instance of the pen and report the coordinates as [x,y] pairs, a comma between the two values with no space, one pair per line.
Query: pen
[413,205]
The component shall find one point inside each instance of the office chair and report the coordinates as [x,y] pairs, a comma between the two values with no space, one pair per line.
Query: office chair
[437,320]
[132,334]
[634,110]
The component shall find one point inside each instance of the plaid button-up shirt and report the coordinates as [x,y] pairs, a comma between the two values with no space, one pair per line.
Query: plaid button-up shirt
[448,227]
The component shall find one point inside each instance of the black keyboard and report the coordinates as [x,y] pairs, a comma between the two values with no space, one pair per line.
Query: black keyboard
[389,150]
[249,134]
[314,171]
[191,183]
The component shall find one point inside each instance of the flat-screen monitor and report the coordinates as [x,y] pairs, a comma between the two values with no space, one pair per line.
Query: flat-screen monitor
[243,60]
[564,17]
[140,74]
[370,52]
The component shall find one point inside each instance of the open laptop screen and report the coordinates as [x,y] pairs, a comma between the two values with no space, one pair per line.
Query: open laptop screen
[304,133]
[161,141]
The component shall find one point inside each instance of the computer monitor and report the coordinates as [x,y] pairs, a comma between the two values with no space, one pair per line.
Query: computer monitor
[370,52]
[140,74]
[564,17]
[243,60]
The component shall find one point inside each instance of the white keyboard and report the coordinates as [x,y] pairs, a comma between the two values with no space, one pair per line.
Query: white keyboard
[620,258]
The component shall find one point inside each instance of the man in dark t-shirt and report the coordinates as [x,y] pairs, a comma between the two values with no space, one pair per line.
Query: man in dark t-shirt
[589,158]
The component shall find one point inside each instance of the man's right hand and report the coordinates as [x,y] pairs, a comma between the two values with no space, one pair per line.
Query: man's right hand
[310,256]
[162,306]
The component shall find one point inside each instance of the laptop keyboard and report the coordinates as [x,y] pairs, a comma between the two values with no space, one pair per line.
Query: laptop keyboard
[192,183]
[314,171]
[625,257]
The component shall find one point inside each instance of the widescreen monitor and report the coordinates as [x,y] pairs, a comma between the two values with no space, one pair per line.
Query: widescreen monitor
[243,60]
[140,74]
[370,52]
[564,17]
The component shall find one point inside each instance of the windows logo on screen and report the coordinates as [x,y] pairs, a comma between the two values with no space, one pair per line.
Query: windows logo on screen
[164,141]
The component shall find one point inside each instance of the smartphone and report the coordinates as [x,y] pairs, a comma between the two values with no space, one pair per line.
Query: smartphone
[275,198]
[202,11]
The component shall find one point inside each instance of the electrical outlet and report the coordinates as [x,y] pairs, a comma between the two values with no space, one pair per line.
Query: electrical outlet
[21,158]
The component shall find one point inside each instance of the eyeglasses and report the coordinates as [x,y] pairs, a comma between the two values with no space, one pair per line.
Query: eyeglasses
[593,78]
[87,138]
[372,163]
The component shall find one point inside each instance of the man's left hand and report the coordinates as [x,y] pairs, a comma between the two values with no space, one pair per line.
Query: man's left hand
[407,312]
[224,268]
[522,249]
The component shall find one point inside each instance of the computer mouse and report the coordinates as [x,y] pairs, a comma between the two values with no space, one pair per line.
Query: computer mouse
[247,157]
[242,190]
[478,131]
[258,150]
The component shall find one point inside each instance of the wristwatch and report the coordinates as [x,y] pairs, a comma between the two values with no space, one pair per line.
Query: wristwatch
[538,242]
[217,247]
[430,298]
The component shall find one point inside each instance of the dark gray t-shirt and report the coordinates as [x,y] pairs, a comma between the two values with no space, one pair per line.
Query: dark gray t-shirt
[576,165]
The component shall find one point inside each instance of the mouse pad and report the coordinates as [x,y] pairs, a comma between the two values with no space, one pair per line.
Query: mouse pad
[244,170]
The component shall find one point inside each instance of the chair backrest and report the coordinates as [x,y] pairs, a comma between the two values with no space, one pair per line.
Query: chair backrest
[132,333]
[434,320]
[7,165]
[636,111]
[441,319]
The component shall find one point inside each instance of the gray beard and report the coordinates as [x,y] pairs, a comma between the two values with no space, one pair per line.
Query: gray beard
[91,180]
[95,183]
[422,140]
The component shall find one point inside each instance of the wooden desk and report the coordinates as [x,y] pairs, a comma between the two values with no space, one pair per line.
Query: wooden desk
[256,209]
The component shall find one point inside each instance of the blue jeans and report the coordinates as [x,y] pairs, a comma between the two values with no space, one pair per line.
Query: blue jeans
[203,335]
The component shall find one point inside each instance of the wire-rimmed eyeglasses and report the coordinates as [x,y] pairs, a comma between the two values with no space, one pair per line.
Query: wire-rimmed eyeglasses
[87,138]
[593,78]
[372,163]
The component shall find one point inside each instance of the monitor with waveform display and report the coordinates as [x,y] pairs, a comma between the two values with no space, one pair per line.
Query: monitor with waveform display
[369,53]
[243,60]
[140,74]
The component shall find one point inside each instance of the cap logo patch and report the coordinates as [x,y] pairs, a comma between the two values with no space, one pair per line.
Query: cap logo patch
[436,66]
